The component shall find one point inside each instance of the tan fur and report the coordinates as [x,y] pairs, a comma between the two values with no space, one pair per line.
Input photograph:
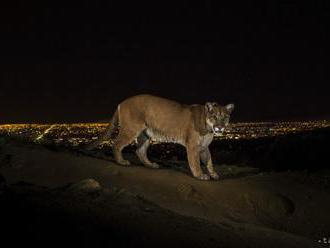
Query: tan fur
[146,117]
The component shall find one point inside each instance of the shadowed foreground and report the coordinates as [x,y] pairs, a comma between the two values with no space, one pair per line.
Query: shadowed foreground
[136,206]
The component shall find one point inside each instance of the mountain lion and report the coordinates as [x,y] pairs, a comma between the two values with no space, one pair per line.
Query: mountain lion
[146,117]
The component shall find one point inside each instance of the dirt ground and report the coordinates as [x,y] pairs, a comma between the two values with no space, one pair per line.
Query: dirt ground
[136,206]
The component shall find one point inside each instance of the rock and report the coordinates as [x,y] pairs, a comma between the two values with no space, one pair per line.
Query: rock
[188,192]
[185,190]
[87,186]
[269,207]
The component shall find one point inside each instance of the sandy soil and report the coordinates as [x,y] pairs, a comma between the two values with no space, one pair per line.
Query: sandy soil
[140,206]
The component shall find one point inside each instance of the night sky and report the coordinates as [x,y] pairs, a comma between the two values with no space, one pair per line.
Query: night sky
[62,63]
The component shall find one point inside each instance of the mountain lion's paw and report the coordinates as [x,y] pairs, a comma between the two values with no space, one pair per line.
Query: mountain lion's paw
[215,176]
[124,162]
[203,177]
[154,166]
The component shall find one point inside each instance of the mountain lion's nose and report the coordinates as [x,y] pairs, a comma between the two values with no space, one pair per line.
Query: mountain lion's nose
[217,129]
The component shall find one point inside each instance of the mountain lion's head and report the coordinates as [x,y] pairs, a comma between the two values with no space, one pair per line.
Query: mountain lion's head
[217,116]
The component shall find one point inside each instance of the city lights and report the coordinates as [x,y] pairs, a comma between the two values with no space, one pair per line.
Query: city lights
[81,133]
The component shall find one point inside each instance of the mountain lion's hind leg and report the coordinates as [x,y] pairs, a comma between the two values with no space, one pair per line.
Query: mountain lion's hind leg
[141,151]
[124,138]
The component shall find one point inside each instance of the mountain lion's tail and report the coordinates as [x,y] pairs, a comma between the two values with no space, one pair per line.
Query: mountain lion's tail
[107,133]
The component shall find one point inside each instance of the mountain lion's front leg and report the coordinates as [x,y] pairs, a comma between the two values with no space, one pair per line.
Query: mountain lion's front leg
[193,155]
[207,160]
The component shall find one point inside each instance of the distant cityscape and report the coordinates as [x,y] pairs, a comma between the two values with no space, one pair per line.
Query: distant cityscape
[74,135]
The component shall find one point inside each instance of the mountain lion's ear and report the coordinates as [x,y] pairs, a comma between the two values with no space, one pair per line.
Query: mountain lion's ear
[209,106]
[230,107]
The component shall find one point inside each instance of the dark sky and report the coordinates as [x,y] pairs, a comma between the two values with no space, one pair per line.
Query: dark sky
[76,63]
